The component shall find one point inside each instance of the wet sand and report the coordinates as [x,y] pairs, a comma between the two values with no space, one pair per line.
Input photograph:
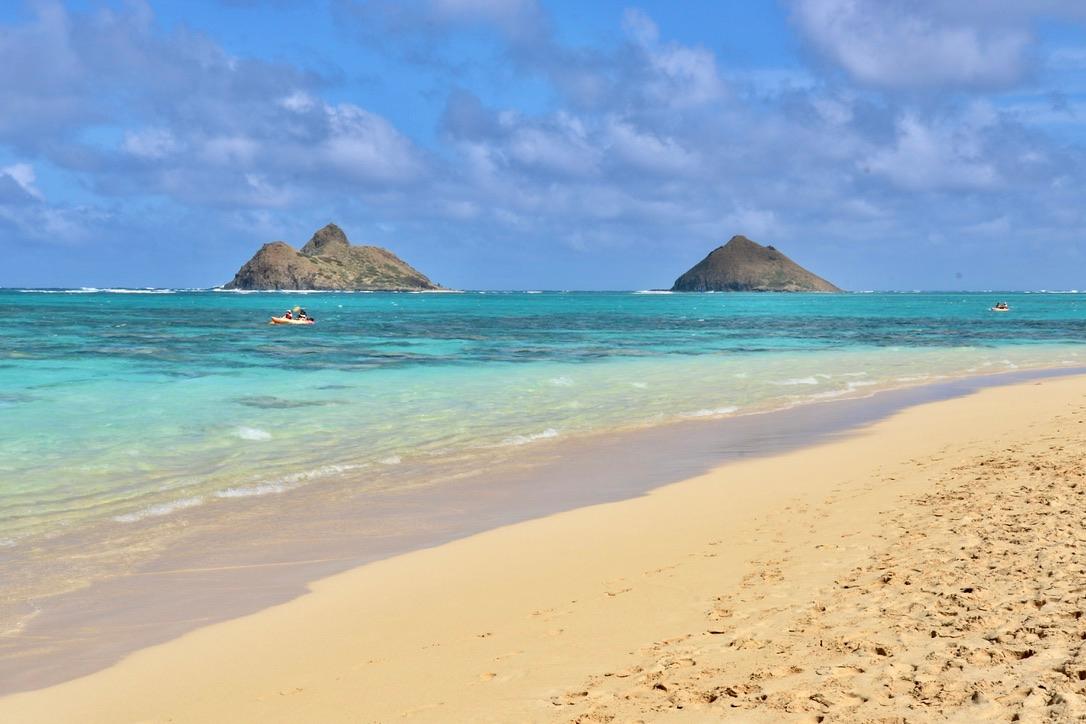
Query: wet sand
[828,580]
[260,552]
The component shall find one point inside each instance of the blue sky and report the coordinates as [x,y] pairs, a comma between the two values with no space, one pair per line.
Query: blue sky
[886,144]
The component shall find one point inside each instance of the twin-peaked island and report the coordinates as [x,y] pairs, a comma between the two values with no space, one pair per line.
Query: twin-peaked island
[329,261]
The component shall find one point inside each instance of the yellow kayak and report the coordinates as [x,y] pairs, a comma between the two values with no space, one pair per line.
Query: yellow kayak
[284,320]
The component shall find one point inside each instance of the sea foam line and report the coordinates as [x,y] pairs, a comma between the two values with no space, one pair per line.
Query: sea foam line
[285,483]
[159,510]
[712,411]
[550,432]
[253,490]
[797,381]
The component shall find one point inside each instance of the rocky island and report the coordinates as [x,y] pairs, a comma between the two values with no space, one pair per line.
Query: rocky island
[743,265]
[328,262]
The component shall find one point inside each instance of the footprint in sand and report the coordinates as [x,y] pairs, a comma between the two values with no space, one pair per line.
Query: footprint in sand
[910,630]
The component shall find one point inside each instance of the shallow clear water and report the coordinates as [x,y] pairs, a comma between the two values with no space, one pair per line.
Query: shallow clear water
[121,408]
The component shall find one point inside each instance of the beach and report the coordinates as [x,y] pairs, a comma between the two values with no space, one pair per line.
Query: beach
[924,567]
[176,434]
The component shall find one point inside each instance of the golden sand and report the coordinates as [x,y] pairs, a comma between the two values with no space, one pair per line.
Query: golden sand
[930,567]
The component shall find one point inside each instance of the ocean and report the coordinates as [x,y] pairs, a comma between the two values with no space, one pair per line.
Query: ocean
[127,416]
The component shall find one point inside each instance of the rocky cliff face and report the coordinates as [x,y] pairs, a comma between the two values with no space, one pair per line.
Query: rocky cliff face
[742,265]
[328,261]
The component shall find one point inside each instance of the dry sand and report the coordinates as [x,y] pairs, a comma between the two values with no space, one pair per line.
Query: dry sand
[929,568]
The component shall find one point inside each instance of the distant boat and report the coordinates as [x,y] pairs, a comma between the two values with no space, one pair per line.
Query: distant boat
[284,320]
[1000,307]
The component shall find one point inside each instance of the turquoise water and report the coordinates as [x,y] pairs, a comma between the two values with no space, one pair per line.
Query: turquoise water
[133,408]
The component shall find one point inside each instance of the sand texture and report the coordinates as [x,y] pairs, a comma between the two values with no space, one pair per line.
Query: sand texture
[971,607]
[920,570]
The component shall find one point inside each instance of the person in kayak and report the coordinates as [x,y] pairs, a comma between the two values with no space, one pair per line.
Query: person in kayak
[288,315]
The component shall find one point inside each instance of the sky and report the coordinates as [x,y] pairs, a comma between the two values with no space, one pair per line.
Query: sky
[546,144]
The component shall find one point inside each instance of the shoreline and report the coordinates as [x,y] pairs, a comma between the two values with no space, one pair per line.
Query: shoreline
[197,585]
[386,604]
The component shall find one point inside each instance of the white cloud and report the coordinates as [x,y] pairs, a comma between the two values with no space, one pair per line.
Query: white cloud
[999,226]
[418,29]
[23,175]
[758,223]
[561,146]
[232,150]
[298,101]
[365,146]
[151,143]
[927,157]
[269,194]
[198,125]
[897,44]
[640,27]
[674,74]
[512,15]
[647,150]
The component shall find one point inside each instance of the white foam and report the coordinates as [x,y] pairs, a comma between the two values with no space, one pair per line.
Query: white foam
[321,472]
[157,511]
[391,460]
[254,490]
[828,394]
[797,381]
[108,290]
[654,291]
[532,437]
[639,385]
[285,291]
[252,433]
[712,412]
[285,483]
[561,381]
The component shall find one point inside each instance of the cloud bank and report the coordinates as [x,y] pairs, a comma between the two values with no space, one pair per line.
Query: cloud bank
[900,133]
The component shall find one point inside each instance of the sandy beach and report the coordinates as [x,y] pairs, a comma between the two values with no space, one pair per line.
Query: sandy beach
[925,568]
